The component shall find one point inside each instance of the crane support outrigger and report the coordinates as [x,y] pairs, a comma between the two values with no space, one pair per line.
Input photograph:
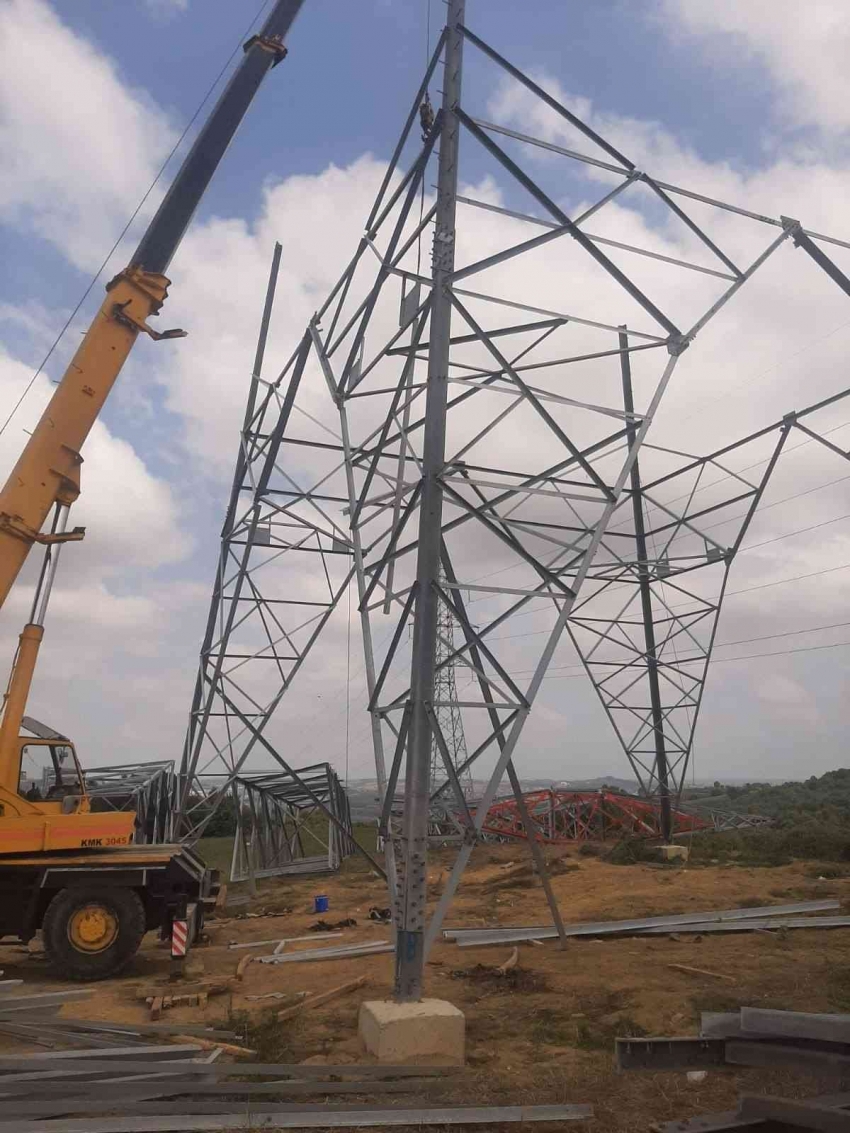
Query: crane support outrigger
[63,869]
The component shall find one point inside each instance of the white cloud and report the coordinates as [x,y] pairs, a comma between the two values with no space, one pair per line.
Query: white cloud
[132,515]
[804,47]
[79,146]
[108,605]
[166,9]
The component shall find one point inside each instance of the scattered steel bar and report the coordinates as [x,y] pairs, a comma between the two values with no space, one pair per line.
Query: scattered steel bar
[319,1117]
[669,1054]
[794,1025]
[798,1114]
[472,937]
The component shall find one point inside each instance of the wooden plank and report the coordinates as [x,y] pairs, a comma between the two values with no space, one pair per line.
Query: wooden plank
[242,965]
[795,1025]
[798,1114]
[226,1048]
[322,997]
[211,987]
[700,972]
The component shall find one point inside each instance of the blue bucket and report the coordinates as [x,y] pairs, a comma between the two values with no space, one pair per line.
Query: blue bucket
[320,904]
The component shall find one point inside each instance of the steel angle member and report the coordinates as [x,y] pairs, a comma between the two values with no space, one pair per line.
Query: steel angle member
[753,925]
[796,1114]
[36,1001]
[471,936]
[669,1053]
[172,1055]
[752,1053]
[321,1117]
[329,953]
[794,1025]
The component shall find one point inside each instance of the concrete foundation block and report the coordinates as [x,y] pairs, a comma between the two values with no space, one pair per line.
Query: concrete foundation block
[431,1031]
[674,853]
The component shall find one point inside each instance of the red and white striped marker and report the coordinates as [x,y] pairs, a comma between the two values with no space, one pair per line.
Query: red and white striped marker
[179,938]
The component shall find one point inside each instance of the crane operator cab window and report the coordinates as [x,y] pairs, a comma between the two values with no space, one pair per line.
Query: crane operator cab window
[48,772]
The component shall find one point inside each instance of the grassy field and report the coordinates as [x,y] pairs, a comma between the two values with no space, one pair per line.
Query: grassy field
[217,853]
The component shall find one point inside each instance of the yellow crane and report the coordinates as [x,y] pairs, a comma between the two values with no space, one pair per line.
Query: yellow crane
[74,874]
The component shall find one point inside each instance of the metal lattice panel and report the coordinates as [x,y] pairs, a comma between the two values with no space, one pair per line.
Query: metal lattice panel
[149,789]
[282,829]
[557,816]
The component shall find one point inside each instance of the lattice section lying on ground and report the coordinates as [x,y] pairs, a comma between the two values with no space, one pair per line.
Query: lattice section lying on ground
[448,422]
[282,830]
[147,788]
[556,815]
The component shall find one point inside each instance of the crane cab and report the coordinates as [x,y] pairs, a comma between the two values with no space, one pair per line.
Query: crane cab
[49,775]
[48,809]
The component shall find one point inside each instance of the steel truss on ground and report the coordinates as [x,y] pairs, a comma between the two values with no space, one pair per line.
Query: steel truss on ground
[558,816]
[147,788]
[282,824]
[722,820]
[438,426]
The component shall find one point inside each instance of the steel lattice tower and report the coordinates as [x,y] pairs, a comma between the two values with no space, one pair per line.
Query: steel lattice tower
[447,757]
[457,433]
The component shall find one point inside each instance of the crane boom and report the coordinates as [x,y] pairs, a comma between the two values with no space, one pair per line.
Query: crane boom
[47,472]
[65,870]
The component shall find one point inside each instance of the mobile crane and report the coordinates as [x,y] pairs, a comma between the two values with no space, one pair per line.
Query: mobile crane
[74,874]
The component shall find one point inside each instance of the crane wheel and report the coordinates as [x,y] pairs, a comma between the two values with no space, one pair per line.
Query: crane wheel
[92,933]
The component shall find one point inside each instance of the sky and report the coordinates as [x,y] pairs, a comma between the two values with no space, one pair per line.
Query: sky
[95,95]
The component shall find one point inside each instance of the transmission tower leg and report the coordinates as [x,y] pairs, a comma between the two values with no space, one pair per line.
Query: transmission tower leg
[410,946]
[657,712]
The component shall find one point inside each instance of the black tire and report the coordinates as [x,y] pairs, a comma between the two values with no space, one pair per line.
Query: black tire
[123,911]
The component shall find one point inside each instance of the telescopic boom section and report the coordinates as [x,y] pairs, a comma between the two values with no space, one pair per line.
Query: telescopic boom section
[48,470]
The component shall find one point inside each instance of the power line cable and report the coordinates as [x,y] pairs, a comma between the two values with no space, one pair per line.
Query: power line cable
[700,657]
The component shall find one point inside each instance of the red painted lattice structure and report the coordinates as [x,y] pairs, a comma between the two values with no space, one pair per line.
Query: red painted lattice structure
[580,816]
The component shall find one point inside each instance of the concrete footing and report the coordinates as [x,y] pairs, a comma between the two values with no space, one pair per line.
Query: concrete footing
[674,853]
[431,1031]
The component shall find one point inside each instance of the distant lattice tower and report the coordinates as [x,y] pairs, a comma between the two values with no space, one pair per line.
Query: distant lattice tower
[450,719]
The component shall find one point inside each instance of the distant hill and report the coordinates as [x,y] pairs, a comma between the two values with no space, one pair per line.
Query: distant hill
[630,786]
[363,793]
[829,792]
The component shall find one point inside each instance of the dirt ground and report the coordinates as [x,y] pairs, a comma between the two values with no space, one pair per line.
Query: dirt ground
[545,1033]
